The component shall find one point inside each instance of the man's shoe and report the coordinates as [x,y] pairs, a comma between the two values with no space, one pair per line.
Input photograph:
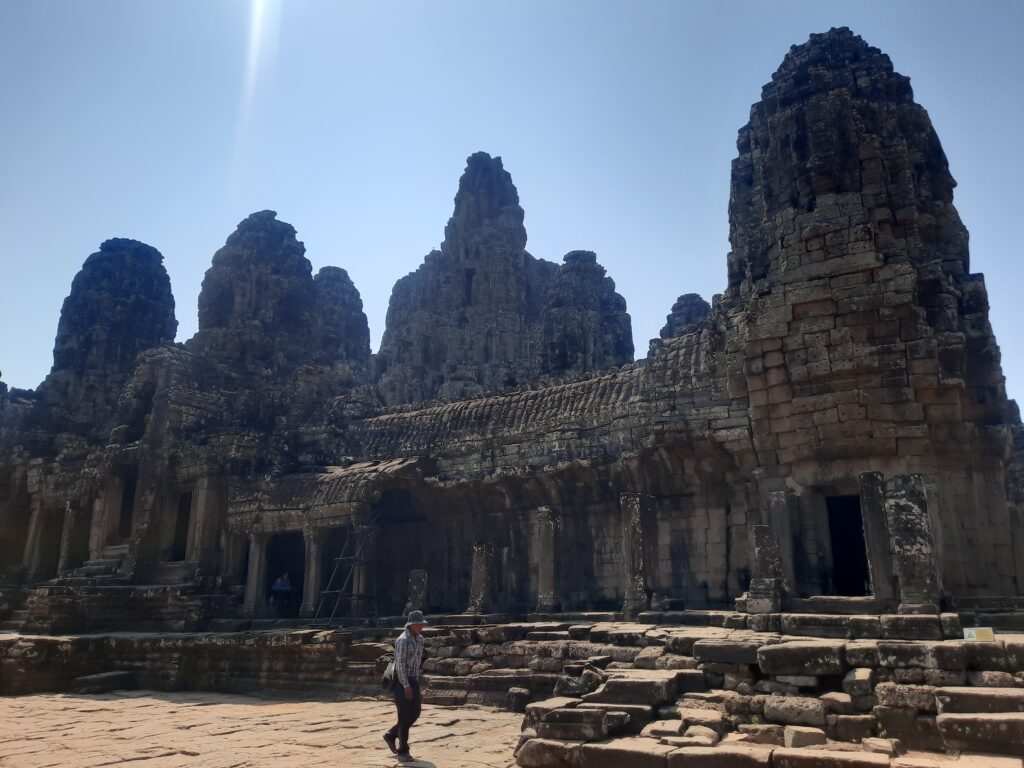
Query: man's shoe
[390,741]
[404,757]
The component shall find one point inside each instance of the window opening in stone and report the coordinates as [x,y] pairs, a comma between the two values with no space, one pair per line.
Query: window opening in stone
[124,523]
[850,575]
[181,521]
[286,552]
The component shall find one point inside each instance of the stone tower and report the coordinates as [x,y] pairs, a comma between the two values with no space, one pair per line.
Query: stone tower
[481,313]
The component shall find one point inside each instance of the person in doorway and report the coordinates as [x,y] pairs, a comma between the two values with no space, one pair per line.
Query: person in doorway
[406,686]
[281,594]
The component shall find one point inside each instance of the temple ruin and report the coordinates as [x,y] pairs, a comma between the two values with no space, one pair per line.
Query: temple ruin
[825,451]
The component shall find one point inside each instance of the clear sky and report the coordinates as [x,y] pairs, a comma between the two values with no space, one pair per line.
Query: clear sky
[169,121]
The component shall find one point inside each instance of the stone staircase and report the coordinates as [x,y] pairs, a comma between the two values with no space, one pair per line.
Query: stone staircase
[982,719]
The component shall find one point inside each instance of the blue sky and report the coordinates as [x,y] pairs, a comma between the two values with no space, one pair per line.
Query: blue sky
[170,121]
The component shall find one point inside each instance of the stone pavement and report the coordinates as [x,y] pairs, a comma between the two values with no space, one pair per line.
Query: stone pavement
[212,730]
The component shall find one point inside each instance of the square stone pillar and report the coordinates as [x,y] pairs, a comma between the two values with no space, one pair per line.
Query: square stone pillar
[633,506]
[417,591]
[255,580]
[546,555]
[481,581]
[34,541]
[876,535]
[912,544]
[204,526]
[768,582]
[783,510]
[73,521]
[313,538]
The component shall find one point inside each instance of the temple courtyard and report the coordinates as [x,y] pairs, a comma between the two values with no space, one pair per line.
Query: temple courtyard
[160,730]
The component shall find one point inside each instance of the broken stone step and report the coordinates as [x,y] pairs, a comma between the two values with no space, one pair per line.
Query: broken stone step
[723,756]
[648,687]
[980,700]
[785,757]
[104,682]
[1001,733]
[633,752]
[639,714]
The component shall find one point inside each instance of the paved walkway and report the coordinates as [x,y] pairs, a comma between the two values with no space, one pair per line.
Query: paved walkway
[146,729]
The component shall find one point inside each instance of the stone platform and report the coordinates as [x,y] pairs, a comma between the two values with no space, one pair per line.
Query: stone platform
[212,730]
[632,693]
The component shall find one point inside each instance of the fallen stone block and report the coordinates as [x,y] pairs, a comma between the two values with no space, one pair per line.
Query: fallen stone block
[658,729]
[852,728]
[727,651]
[651,687]
[859,682]
[547,753]
[803,736]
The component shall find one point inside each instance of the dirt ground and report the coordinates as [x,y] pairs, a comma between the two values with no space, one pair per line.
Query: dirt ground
[146,729]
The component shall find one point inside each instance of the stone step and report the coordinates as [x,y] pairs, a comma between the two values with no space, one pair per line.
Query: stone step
[980,700]
[836,604]
[1001,733]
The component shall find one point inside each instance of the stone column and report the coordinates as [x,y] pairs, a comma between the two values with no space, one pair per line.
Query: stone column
[635,600]
[546,555]
[417,591]
[34,541]
[363,597]
[255,579]
[876,535]
[67,539]
[204,526]
[481,584]
[783,509]
[768,583]
[913,546]
[313,538]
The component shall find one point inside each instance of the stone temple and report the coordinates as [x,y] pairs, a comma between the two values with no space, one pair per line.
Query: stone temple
[826,450]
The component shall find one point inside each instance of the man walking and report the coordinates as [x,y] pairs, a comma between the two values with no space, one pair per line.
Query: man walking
[406,686]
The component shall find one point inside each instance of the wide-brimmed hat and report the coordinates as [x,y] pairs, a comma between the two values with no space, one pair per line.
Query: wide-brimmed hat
[415,617]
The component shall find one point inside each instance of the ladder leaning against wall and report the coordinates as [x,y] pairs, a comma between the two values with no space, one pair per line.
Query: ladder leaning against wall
[341,587]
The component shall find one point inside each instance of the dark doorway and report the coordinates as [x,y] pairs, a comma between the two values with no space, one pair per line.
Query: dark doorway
[179,547]
[286,552]
[850,574]
[131,482]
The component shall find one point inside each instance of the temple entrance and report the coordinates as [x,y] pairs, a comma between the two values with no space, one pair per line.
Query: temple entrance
[286,552]
[850,574]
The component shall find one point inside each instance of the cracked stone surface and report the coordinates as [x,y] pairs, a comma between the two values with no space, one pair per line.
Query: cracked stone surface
[161,730]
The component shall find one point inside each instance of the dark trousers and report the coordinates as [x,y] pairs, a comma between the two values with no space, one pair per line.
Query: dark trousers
[408,712]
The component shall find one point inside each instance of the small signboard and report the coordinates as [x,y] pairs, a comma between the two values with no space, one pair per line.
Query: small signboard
[979,634]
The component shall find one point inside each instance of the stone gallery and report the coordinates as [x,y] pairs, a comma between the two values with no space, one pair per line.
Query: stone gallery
[825,451]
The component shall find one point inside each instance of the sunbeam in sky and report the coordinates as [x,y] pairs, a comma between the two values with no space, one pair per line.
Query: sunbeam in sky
[261,50]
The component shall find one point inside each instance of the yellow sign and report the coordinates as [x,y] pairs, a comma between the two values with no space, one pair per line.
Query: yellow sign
[979,634]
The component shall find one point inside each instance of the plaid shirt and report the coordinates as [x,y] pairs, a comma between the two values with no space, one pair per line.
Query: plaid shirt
[408,657]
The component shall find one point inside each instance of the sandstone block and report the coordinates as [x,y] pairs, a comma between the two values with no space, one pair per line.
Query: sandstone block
[802,658]
[803,736]
[636,752]
[547,753]
[794,711]
[722,756]
[799,758]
